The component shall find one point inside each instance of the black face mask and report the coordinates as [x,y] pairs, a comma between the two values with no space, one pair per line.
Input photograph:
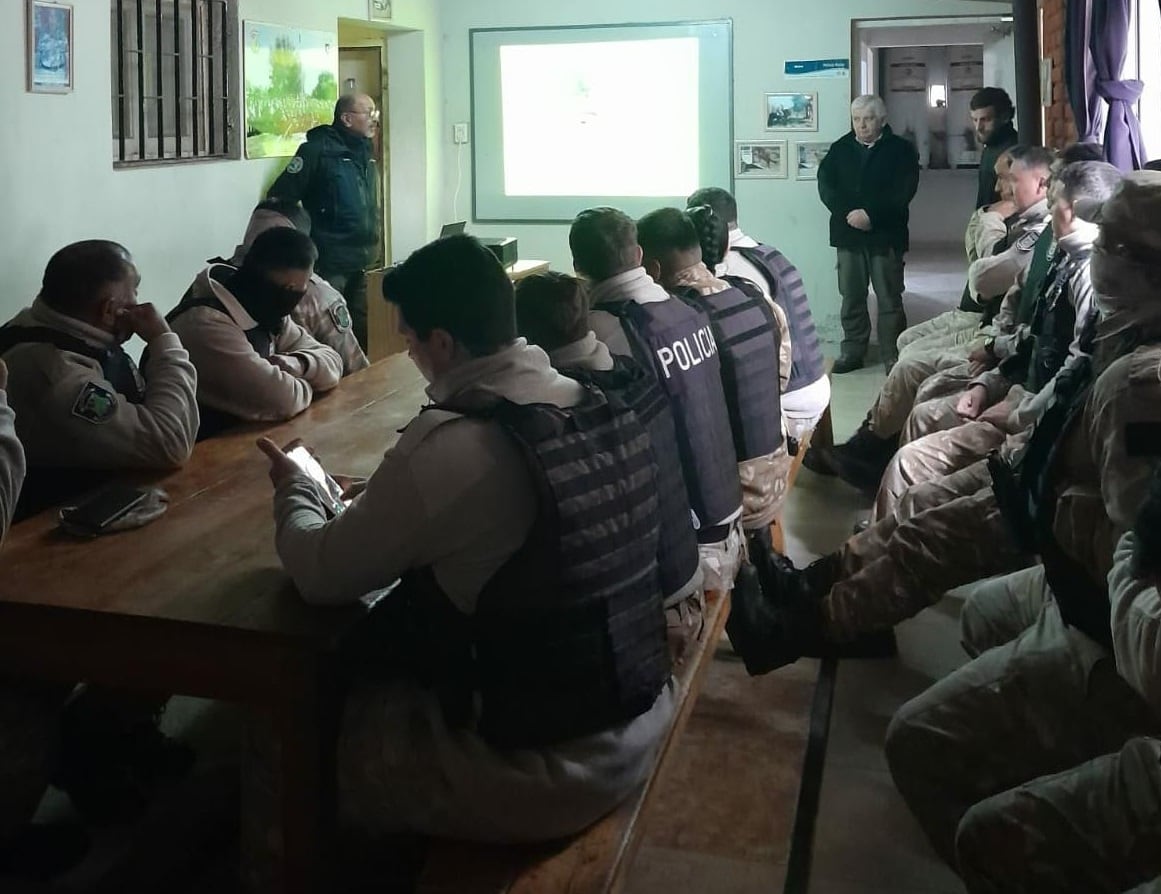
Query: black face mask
[267,302]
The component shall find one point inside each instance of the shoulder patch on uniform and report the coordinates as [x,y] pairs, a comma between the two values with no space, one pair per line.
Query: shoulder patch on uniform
[1028,241]
[295,165]
[1143,438]
[340,315]
[95,404]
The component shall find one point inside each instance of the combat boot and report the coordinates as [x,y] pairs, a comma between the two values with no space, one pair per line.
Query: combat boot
[862,460]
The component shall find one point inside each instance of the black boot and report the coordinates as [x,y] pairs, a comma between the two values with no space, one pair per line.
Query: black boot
[113,758]
[863,459]
[846,364]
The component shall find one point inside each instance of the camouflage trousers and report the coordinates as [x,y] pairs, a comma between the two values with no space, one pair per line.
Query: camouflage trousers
[905,562]
[765,483]
[934,456]
[949,329]
[1026,767]
[919,374]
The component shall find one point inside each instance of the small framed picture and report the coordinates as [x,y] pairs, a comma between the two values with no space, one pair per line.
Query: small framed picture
[379,10]
[49,46]
[760,159]
[791,111]
[808,157]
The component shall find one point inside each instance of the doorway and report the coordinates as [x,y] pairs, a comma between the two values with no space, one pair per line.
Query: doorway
[363,69]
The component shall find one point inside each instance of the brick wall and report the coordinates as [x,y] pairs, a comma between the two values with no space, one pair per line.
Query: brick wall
[1059,127]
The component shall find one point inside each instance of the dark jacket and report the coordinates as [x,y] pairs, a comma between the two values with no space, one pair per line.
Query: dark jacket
[333,176]
[881,180]
[1003,139]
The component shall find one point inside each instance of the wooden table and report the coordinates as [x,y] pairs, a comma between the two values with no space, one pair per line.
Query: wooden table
[197,603]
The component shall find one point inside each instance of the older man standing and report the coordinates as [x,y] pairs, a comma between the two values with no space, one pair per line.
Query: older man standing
[333,176]
[867,181]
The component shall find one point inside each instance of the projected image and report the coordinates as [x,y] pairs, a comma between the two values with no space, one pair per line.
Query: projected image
[600,119]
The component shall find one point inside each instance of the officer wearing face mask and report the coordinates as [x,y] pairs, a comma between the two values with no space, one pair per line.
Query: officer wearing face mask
[253,362]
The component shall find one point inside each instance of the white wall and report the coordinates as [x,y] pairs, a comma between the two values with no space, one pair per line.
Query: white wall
[58,185]
[785,213]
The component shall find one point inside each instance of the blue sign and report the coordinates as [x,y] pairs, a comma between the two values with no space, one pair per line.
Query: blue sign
[819,68]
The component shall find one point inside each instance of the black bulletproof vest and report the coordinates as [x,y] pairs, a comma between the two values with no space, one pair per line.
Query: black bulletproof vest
[786,286]
[116,366]
[568,637]
[748,338]
[633,385]
[214,421]
[676,341]
[1054,319]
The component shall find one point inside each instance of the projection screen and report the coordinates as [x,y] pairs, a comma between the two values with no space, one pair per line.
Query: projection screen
[567,118]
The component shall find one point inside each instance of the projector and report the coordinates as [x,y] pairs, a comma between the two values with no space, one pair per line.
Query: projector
[504,248]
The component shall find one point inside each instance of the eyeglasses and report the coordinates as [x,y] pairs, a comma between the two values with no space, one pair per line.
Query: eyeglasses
[373,114]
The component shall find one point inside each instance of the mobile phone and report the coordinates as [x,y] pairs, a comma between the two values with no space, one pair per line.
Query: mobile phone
[99,510]
[328,488]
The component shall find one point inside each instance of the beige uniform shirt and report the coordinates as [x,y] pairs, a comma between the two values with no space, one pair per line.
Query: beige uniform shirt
[454,494]
[11,465]
[324,314]
[233,378]
[68,415]
[991,277]
[1104,480]
[1136,612]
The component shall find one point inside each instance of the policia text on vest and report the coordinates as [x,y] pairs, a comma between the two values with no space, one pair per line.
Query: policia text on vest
[688,352]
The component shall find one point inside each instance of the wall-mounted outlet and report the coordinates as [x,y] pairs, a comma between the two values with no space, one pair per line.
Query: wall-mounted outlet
[460,133]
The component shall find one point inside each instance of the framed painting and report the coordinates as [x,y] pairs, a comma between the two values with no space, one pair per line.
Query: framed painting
[49,46]
[760,159]
[791,111]
[808,157]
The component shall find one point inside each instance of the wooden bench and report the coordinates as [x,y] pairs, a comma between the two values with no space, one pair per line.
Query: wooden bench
[821,437]
[598,859]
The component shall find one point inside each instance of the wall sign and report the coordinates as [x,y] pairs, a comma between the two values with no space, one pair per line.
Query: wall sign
[818,68]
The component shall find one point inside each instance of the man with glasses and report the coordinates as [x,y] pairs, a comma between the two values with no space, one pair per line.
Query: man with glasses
[333,176]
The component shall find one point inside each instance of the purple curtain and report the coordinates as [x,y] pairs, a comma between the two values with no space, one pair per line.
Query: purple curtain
[1079,73]
[1109,44]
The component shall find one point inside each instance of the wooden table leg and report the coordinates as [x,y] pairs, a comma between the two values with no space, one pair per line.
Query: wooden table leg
[307,727]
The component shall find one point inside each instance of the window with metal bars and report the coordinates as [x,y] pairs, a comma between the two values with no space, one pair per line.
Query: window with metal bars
[175,80]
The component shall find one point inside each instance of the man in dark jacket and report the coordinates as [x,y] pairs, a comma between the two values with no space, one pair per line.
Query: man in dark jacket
[868,180]
[333,176]
[992,112]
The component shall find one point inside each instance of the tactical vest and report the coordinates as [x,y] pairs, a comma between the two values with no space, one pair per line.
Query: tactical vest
[1042,257]
[1054,320]
[748,338]
[636,388]
[568,637]
[785,282]
[212,420]
[677,343]
[46,486]
[116,366]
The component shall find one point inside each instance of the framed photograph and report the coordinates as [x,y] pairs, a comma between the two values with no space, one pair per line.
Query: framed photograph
[291,80]
[49,46]
[807,158]
[760,159]
[379,10]
[791,111]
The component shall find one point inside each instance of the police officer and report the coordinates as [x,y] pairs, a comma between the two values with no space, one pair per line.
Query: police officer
[83,408]
[806,393]
[323,311]
[552,312]
[749,339]
[530,728]
[637,317]
[254,363]
[333,175]
[946,434]
[1091,457]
